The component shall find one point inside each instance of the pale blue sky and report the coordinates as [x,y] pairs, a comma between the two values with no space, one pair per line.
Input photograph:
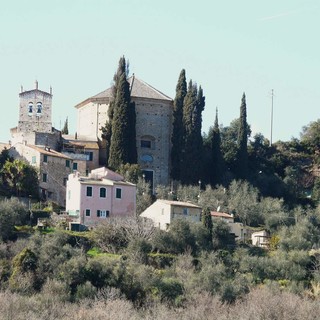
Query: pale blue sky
[228,47]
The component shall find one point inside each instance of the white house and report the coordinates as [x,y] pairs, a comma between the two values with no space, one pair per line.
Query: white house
[260,238]
[163,212]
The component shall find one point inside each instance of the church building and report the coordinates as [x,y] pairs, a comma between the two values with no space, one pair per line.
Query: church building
[153,127]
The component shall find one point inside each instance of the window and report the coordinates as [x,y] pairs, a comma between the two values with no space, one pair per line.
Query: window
[103,213]
[103,192]
[118,193]
[39,108]
[68,163]
[30,108]
[89,155]
[45,158]
[145,144]
[75,166]
[88,213]
[44,177]
[89,191]
[185,211]
[34,160]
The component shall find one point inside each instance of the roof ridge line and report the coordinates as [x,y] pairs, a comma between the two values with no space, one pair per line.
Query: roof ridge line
[150,86]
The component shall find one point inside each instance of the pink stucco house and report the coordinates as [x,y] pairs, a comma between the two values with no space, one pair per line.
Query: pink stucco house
[103,194]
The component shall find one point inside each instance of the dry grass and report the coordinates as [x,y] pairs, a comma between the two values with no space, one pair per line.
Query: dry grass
[261,303]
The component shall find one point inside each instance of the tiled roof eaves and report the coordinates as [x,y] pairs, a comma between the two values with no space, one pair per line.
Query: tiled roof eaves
[105,182]
[50,153]
[148,100]
[180,203]
[92,99]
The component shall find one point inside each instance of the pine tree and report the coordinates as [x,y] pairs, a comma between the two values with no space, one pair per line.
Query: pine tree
[177,131]
[217,166]
[242,154]
[122,142]
[65,129]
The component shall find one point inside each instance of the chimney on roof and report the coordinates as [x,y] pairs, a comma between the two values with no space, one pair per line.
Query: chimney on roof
[36,83]
[21,89]
[50,90]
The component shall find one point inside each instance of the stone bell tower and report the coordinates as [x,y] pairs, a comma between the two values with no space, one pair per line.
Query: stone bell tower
[35,111]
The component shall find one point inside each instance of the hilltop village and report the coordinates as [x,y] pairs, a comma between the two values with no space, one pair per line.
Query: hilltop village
[139,214]
[57,155]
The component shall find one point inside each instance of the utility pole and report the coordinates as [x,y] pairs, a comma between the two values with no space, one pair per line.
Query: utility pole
[272,95]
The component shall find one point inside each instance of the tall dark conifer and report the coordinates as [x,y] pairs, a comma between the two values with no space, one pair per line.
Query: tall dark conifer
[192,122]
[177,130]
[242,154]
[122,142]
[217,166]
[207,221]
[198,150]
[65,129]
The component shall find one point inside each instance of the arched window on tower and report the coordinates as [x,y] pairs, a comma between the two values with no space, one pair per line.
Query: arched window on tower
[39,108]
[30,108]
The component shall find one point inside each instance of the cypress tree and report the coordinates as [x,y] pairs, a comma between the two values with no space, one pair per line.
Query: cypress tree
[189,105]
[197,130]
[192,121]
[207,220]
[122,142]
[217,165]
[242,153]
[65,129]
[177,130]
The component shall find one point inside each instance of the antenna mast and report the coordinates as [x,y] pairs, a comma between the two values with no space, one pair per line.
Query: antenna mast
[272,95]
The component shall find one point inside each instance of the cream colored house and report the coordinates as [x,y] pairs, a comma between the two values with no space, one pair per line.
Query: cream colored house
[260,238]
[163,212]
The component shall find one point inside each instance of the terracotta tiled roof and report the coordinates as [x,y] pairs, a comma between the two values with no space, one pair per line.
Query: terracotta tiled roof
[221,215]
[49,152]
